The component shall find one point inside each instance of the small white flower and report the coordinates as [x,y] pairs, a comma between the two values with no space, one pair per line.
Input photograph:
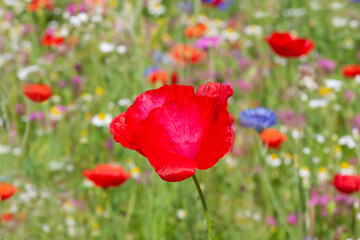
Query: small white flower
[156,8]
[24,72]
[315,160]
[296,134]
[16,151]
[317,103]
[124,102]
[253,30]
[70,221]
[45,228]
[273,160]
[357,79]
[4,149]
[260,14]
[101,120]
[315,6]
[230,34]
[304,172]
[348,141]
[96,18]
[121,49]
[347,169]
[319,138]
[339,22]
[181,214]
[333,84]
[294,12]
[323,175]
[336,5]
[353,24]
[106,47]
[83,17]
[5,57]
[231,162]
[56,165]
[306,151]
[280,61]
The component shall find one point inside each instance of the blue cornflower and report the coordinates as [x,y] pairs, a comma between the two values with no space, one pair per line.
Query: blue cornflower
[258,118]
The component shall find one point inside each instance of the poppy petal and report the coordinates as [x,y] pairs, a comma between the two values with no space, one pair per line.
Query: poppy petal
[216,91]
[218,138]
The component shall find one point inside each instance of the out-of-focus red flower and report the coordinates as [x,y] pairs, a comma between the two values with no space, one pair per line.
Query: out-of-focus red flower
[174,77]
[107,175]
[351,71]
[272,138]
[195,31]
[288,46]
[49,40]
[178,131]
[6,217]
[7,190]
[346,183]
[158,75]
[34,5]
[37,92]
[186,54]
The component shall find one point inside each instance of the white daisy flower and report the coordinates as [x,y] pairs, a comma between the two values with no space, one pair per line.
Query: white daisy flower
[273,160]
[101,120]
[124,102]
[181,214]
[253,30]
[304,172]
[106,47]
[348,141]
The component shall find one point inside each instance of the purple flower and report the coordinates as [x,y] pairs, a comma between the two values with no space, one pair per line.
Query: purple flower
[37,115]
[258,118]
[291,119]
[292,219]
[20,109]
[349,95]
[271,221]
[243,85]
[109,144]
[207,42]
[326,64]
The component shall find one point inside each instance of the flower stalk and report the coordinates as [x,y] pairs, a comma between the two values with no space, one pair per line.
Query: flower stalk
[201,195]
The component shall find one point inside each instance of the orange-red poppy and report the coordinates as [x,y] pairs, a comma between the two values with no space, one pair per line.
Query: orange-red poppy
[34,5]
[7,190]
[37,92]
[351,71]
[272,138]
[195,31]
[185,54]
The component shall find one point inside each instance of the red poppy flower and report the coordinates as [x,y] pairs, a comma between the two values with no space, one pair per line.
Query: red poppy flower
[272,138]
[178,131]
[49,40]
[34,5]
[351,71]
[107,175]
[288,46]
[158,75]
[7,190]
[6,217]
[186,54]
[37,92]
[195,31]
[347,183]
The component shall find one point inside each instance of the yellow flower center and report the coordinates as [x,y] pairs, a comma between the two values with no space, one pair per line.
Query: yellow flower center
[102,116]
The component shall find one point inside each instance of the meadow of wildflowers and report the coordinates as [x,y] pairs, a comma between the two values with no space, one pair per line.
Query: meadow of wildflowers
[189,119]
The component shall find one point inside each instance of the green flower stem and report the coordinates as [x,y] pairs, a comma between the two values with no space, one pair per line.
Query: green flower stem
[201,195]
